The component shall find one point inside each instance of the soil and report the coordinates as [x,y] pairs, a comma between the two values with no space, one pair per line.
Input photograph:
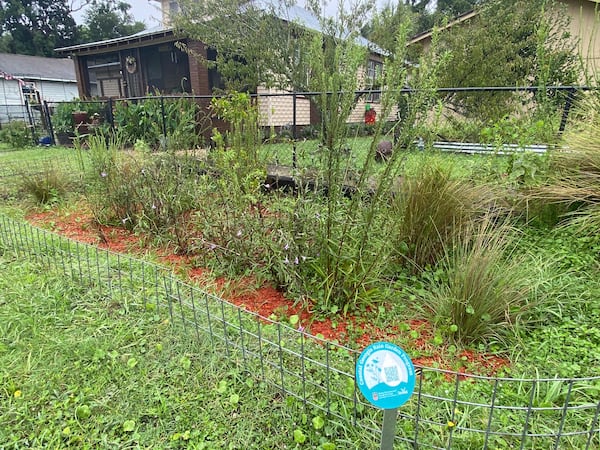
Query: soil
[268,302]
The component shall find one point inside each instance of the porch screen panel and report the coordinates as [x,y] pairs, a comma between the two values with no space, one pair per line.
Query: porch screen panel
[110,87]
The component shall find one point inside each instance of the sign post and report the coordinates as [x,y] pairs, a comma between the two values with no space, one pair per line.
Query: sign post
[386,377]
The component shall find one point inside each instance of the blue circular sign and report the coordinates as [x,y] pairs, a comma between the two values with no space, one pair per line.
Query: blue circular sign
[385,375]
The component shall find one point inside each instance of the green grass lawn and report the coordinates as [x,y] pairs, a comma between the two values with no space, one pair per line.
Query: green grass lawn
[309,154]
[79,370]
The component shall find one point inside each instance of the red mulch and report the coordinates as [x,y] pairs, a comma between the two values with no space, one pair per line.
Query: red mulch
[268,302]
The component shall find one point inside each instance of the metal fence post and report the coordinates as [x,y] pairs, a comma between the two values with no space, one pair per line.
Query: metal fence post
[109,114]
[567,109]
[294,131]
[164,120]
[46,110]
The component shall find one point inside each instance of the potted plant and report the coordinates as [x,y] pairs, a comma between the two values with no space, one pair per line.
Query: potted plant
[63,124]
[75,117]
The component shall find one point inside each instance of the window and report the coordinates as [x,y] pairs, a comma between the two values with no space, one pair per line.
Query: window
[215,82]
[104,75]
[373,80]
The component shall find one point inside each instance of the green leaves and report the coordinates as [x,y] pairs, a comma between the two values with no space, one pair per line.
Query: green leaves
[128,426]
[299,436]
[83,412]
[318,422]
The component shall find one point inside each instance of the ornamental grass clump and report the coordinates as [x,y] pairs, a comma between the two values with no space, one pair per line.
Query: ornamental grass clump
[48,184]
[433,206]
[575,179]
[485,293]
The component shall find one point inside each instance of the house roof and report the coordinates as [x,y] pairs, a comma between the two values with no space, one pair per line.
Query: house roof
[459,19]
[37,67]
[149,35]
[293,13]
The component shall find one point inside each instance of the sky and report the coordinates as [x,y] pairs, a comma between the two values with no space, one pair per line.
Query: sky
[146,11]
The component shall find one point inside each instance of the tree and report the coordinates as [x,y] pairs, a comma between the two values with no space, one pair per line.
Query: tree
[36,27]
[383,27]
[252,44]
[108,19]
[454,8]
[509,43]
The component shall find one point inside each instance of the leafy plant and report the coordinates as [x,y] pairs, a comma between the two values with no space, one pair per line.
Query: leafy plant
[62,117]
[526,168]
[162,123]
[16,134]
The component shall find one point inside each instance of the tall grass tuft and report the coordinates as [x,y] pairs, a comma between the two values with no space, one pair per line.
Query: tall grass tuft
[433,205]
[48,185]
[486,289]
[575,182]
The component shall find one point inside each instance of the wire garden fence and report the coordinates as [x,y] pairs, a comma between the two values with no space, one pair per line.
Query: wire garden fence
[461,114]
[447,410]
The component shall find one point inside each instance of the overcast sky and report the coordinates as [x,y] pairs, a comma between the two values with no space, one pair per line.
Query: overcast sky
[146,11]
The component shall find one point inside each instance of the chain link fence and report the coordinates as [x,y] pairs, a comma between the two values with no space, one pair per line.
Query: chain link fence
[448,410]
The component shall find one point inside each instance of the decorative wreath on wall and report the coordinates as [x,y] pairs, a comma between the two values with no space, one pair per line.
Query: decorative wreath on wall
[130,64]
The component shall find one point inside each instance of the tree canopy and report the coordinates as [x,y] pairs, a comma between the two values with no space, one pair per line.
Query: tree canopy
[510,43]
[268,44]
[36,27]
[108,19]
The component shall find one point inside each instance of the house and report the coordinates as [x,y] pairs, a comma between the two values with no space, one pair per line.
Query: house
[584,26]
[31,80]
[151,60]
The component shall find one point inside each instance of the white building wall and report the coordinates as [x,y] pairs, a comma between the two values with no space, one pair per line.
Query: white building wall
[12,103]
[56,91]
[10,92]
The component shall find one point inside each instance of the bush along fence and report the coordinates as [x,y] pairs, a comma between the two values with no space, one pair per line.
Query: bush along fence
[517,115]
[447,410]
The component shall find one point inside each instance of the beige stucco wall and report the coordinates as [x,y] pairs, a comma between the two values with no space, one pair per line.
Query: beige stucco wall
[585,25]
[278,110]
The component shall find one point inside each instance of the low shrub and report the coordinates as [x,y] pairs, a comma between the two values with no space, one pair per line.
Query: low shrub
[16,134]
[149,193]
